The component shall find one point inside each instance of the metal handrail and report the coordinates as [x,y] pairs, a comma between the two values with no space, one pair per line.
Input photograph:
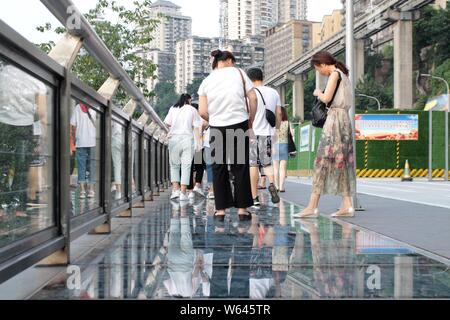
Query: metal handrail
[96,47]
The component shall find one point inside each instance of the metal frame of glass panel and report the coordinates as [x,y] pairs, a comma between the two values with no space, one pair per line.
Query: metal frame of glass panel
[19,255]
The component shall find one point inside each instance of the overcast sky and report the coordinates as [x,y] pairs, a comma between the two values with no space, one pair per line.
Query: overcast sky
[25,15]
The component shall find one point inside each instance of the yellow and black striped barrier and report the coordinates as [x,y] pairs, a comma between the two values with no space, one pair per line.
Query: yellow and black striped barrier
[397,173]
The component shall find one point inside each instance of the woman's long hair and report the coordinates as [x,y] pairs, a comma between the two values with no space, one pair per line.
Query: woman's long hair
[324,57]
[284,115]
[184,100]
[219,55]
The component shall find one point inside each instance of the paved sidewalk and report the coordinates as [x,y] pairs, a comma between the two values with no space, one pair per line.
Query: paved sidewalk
[423,226]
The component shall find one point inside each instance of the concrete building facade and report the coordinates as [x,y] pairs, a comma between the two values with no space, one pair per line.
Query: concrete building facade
[165,62]
[292,10]
[286,43]
[173,27]
[193,57]
[241,19]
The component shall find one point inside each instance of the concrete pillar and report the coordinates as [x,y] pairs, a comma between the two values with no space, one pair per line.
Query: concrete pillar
[321,81]
[282,92]
[403,64]
[359,60]
[403,277]
[298,98]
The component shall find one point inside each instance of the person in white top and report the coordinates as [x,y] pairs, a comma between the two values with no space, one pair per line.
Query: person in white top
[267,119]
[184,122]
[84,127]
[23,136]
[223,103]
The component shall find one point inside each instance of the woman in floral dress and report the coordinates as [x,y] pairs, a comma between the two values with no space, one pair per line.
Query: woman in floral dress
[334,170]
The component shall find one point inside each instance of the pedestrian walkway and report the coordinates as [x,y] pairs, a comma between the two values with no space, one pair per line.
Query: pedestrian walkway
[174,250]
[410,221]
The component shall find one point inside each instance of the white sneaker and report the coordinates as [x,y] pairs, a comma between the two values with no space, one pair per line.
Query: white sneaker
[183,197]
[118,195]
[199,191]
[191,196]
[211,195]
[175,194]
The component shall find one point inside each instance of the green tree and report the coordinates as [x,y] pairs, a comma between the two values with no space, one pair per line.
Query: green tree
[165,97]
[126,37]
[193,87]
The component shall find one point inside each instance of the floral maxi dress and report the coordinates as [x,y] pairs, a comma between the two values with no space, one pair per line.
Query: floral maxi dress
[334,171]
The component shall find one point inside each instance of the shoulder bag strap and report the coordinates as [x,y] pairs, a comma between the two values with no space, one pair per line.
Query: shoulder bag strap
[264,101]
[245,90]
[89,115]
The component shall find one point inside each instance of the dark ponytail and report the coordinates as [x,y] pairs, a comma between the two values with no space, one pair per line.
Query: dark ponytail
[184,99]
[324,57]
[220,55]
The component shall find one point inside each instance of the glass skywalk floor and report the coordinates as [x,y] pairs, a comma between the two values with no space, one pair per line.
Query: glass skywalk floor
[180,251]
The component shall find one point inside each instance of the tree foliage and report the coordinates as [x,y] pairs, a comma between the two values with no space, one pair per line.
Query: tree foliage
[165,97]
[127,36]
[193,87]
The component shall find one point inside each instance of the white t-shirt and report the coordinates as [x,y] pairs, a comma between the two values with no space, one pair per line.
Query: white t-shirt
[18,91]
[261,126]
[85,130]
[182,120]
[225,93]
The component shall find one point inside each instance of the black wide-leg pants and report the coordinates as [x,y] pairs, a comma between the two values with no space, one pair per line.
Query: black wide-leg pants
[233,152]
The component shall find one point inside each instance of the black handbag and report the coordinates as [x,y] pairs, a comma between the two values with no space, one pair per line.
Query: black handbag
[270,116]
[319,110]
[292,149]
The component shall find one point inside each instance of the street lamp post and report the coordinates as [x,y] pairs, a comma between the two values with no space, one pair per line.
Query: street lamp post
[446,123]
[350,58]
[370,97]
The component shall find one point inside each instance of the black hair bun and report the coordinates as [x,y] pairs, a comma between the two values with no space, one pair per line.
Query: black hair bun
[216,53]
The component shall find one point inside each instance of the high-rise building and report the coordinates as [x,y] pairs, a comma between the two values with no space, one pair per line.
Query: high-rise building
[286,43]
[247,18]
[193,60]
[165,71]
[193,57]
[173,27]
[292,10]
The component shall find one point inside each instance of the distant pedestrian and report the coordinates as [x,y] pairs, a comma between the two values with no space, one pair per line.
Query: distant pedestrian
[264,126]
[334,171]
[280,155]
[223,103]
[184,121]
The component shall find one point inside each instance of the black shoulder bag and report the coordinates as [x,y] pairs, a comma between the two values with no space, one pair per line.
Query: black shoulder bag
[292,149]
[270,116]
[320,110]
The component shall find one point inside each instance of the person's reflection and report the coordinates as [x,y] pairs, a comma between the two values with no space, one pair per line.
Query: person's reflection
[186,266]
[117,147]
[261,278]
[281,249]
[230,242]
[23,136]
[332,259]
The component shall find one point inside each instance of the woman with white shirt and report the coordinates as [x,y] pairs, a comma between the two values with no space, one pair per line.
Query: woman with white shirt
[184,121]
[223,103]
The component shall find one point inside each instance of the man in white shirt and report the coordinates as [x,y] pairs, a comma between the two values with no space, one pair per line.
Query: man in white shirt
[83,125]
[269,109]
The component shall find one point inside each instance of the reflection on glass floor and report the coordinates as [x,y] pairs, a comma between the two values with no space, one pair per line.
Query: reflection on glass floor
[181,251]
[18,221]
